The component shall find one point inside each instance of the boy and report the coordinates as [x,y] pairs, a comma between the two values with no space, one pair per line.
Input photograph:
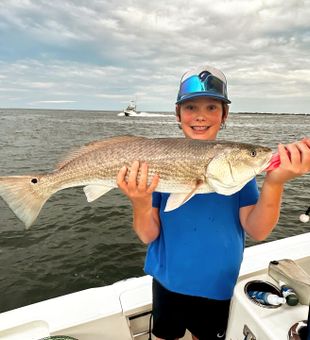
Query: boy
[195,251]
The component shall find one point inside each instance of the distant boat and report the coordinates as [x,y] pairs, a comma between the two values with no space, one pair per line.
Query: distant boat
[131,109]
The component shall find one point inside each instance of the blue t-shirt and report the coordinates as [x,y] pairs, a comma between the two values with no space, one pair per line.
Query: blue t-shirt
[200,246]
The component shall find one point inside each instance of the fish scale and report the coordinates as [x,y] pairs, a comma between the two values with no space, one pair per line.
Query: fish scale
[185,167]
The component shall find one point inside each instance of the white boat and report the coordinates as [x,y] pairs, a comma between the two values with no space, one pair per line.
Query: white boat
[131,109]
[122,310]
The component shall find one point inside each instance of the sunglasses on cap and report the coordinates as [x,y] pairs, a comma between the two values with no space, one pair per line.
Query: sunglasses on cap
[204,84]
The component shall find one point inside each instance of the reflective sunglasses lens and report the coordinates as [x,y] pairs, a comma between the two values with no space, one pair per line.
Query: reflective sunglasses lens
[190,85]
[214,84]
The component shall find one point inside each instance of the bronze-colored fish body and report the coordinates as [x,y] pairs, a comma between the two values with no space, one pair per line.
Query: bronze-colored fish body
[185,167]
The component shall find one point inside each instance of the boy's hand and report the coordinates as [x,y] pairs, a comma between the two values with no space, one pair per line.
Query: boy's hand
[137,190]
[296,164]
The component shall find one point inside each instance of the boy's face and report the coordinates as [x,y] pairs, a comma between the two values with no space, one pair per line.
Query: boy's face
[201,118]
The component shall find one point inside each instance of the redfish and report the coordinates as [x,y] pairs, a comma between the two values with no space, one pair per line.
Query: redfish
[185,167]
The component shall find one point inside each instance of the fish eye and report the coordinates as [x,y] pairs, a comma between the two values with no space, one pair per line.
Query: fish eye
[34,181]
[253,153]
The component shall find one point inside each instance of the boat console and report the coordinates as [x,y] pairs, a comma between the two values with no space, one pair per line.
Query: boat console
[255,316]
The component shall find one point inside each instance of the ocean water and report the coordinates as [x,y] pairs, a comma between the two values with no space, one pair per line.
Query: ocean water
[75,245]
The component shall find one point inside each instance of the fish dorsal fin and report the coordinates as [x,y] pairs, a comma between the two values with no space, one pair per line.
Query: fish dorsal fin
[95,145]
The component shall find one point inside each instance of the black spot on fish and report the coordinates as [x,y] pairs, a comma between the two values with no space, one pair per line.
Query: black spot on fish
[34,181]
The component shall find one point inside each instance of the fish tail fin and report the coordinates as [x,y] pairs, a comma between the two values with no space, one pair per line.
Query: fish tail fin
[22,196]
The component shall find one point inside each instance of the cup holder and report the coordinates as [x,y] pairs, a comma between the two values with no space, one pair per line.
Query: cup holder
[298,331]
[262,286]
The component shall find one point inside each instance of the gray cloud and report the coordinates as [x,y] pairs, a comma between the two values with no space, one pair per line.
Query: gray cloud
[99,54]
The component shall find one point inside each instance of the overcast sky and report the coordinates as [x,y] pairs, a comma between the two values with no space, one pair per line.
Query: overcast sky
[100,54]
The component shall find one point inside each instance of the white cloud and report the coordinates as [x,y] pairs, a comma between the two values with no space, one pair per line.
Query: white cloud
[95,54]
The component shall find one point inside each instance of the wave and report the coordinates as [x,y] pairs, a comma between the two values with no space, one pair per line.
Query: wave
[146,114]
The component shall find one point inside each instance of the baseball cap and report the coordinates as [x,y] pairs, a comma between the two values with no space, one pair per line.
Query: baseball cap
[203,81]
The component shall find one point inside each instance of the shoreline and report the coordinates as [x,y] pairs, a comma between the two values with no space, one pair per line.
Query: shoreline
[153,112]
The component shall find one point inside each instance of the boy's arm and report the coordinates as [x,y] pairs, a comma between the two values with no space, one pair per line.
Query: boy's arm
[146,221]
[146,224]
[260,219]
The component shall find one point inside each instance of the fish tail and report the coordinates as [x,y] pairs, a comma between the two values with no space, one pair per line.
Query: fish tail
[22,196]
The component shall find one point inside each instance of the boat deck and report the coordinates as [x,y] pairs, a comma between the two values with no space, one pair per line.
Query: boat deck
[121,310]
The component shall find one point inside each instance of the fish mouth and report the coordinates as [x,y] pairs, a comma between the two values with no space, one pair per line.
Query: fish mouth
[264,166]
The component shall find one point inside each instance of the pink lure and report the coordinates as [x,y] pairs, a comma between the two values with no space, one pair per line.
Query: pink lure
[275,161]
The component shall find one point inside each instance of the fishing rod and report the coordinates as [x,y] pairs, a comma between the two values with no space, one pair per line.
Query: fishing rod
[308,325]
[305,217]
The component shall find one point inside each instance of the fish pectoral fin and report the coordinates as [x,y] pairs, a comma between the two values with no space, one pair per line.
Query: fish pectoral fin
[94,191]
[176,200]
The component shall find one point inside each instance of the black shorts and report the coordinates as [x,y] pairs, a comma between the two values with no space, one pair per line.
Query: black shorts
[173,313]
